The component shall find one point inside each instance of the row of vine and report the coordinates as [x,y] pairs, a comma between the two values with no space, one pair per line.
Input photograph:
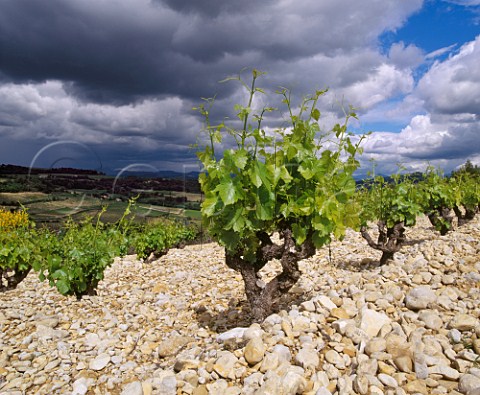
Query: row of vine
[74,259]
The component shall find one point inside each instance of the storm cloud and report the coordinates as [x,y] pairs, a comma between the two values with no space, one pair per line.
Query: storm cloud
[122,76]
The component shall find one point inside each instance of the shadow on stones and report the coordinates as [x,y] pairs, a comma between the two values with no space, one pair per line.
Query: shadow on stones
[238,313]
[416,241]
[359,266]
[355,265]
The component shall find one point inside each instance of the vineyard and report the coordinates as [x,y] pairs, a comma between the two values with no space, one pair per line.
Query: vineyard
[74,258]
[348,288]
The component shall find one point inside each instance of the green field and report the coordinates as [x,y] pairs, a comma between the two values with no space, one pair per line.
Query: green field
[53,209]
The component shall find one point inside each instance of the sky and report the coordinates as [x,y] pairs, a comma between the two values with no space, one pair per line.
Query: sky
[110,84]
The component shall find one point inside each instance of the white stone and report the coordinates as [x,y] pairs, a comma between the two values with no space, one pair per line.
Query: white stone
[372,321]
[235,333]
[323,391]
[80,386]
[99,362]
[420,297]
[307,358]
[455,335]
[468,383]
[283,352]
[446,371]
[431,319]
[387,380]
[325,301]
[133,388]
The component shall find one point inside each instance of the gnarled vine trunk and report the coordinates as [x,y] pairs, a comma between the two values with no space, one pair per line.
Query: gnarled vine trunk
[465,217]
[262,297]
[12,280]
[442,220]
[389,241]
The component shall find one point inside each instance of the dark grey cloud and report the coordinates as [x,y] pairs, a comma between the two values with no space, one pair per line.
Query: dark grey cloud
[126,50]
[122,76]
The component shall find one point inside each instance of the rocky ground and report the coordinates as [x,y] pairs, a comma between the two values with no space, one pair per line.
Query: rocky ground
[181,326]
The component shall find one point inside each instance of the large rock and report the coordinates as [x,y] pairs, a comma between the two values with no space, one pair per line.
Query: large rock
[420,297]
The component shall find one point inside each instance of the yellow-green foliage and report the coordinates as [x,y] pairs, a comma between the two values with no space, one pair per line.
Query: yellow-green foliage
[15,220]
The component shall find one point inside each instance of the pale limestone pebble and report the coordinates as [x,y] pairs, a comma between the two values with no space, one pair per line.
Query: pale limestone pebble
[416,387]
[133,388]
[445,371]
[345,385]
[282,352]
[254,351]
[455,335]
[420,366]
[225,364]
[324,302]
[253,331]
[372,321]
[291,382]
[375,345]
[323,391]
[302,324]
[476,346]
[307,359]
[269,362]
[361,384]
[463,322]
[252,383]
[173,344]
[420,297]
[357,335]
[468,355]
[374,390]
[235,334]
[462,365]
[431,319]
[99,362]
[468,383]
[320,379]
[368,367]
[308,305]
[165,382]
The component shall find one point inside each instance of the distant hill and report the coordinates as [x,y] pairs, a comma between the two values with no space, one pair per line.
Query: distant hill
[160,174]
[14,169]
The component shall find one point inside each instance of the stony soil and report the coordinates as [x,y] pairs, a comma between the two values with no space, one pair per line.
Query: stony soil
[180,325]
